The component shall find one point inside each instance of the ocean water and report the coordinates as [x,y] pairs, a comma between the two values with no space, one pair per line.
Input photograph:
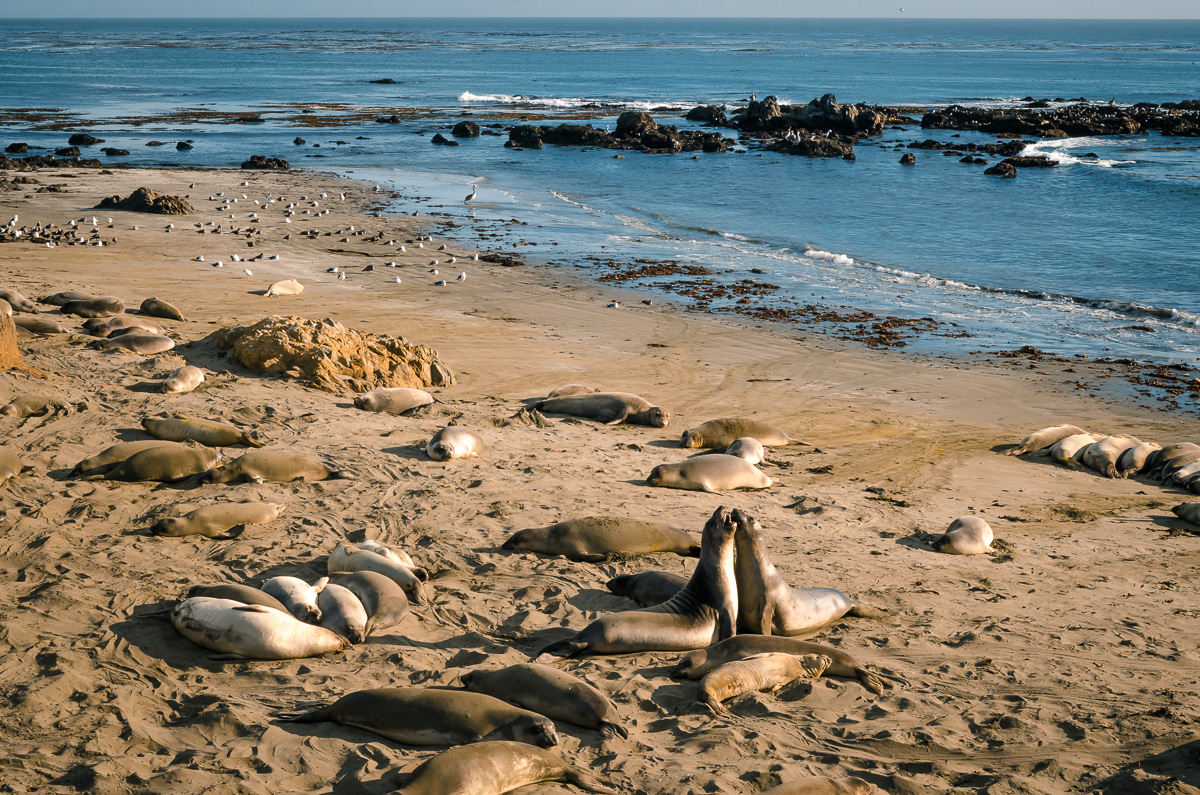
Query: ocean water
[1097,256]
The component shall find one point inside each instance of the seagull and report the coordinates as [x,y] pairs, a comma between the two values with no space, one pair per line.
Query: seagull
[614,305]
[401,249]
[439,284]
[331,270]
[199,259]
[377,189]
[192,185]
[462,277]
[474,190]
[273,256]
[474,258]
[433,263]
[218,264]
[420,245]
[244,184]
[236,258]
[433,272]
[396,280]
[343,197]
[247,271]
[389,265]
[323,195]
[341,276]
[451,261]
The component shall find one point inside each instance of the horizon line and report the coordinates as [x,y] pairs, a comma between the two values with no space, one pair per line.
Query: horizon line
[580,18]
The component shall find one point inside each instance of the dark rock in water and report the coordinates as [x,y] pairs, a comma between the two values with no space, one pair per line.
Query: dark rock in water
[967,159]
[17,148]
[1073,120]
[83,139]
[825,115]
[112,151]
[634,123]
[979,161]
[1031,162]
[393,119]
[44,161]
[442,140]
[1002,169]
[387,81]
[1181,127]
[526,136]
[465,129]
[708,114]
[575,135]
[635,130]
[759,114]
[814,146]
[298,141]
[502,259]
[267,163]
[908,159]
[849,156]
[183,146]
[1092,156]
[144,200]
[67,151]
[156,143]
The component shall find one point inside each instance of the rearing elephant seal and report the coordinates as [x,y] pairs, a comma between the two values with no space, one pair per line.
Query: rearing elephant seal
[253,631]
[596,538]
[1044,438]
[550,692]
[493,768]
[275,466]
[610,408]
[725,431]
[696,664]
[711,473]
[214,521]
[766,603]
[823,785]
[769,671]
[704,612]
[432,716]
[156,307]
[454,441]
[967,535]
[182,428]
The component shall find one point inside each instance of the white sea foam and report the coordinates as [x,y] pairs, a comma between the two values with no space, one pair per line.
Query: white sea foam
[1059,151]
[567,102]
[828,256]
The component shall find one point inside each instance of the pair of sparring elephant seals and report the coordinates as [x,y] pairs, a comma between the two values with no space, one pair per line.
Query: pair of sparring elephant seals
[727,430]
[550,692]
[252,631]
[759,672]
[610,408]
[182,428]
[704,612]
[432,716]
[274,466]
[595,539]
[452,442]
[711,473]
[215,521]
[698,663]
[493,768]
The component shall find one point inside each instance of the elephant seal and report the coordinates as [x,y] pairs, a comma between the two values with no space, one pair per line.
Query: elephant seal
[1134,459]
[454,441]
[823,785]
[432,716]
[118,324]
[342,613]
[759,672]
[352,558]
[711,473]
[493,768]
[58,299]
[214,521]
[18,302]
[40,325]
[395,554]
[610,408]
[1044,438]
[748,449]
[156,307]
[381,597]
[109,457]
[696,664]
[285,287]
[1169,469]
[245,594]
[967,535]
[275,466]
[1066,451]
[1183,475]
[182,428]
[24,406]
[766,604]
[165,463]
[1159,458]
[395,400]
[572,389]
[595,539]
[548,691]
[725,431]
[647,588]
[1102,456]
[142,343]
[10,464]
[297,596]
[704,612]
[1188,512]
[100,306]
[250,631]
[185,379]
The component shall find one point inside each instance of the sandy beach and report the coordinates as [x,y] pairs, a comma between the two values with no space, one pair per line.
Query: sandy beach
[1066,661]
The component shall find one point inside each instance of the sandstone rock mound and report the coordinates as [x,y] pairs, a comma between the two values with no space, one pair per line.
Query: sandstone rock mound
[10,355]
[326,355]
[144,200]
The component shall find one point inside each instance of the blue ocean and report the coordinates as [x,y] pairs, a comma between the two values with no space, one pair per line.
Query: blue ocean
[1096,256]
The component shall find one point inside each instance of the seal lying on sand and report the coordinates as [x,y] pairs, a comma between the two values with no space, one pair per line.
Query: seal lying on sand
[214,521]
[99,327]
[352,558]
[251,631]
[595,538]
[647,588]
[285,287]
[550,692]
[1102,456]
[100,306]
[1133,460]
[165,463]
[769,671]
[572,389]
[696,664]
[967,535]
[494,768]
[1157,461]
[748,449]
[610,408]
[275,466]
[109,457]
[711,473]
[245,594]
[143,343]
[725,431]
[432,716]
[1066,451]
[1044,438]
[704,612]
[185,379]
[40,325]
[392,400]
[823,785]
[156,307]
[182,428]
[18,302]
[24,406]
[1188,512]
[342,612]
[58,299]
[10,464]
[381,597]
[454,441]
[297,596]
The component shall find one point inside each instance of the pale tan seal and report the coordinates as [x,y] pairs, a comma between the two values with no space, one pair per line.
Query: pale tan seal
[215,521]
[1066,451]
[572,389]
[748,449]
[696,664]
[381,597]
[297,596]
[182,428]
[711,473]
[285,287]
[725,431]
[10,464]
[1134,459]
[166,463]
[1044,438]
[595,539]
[760,672]
[704,612]
[58,299]
[967,535]
[143,343]
[396,554]
[118,324]
[109,457]
[548,691]
[245,594]
[768,605]
[610,408]
[1169,470]
[18,302]
[99,306]
[275,466]
[647,588]
[352,558]
[432,716]
[31,405]
[185,379]
[342,612]
[1183,475]
[392,400]
[823,785]
[454,441]
[1102,456]
[156,307]
[251,631]
[494,768]
[40,325]
[1161,458]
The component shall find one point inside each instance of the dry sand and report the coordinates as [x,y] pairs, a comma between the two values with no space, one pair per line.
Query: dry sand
[1067,663]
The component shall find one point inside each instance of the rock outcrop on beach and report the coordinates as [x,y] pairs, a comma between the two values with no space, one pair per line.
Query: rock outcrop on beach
[144,200]
[10,355]
[267,163]
[329,356]
[1071,121]
[113,151]
[67,151]
[635,131]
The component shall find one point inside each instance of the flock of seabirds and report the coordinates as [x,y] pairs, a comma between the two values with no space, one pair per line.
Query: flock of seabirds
[736,617]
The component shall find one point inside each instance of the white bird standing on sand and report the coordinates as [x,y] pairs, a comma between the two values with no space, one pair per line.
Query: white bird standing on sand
[451,261]
[462,277]
[200,258]
[396,280]
[433,263]
[420,245]
[474,190]
[474,258]
[218,264]
[614,305]
[401,249]
[247,271]
[389,265]
[341,276]
[343,197]
[433,272]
